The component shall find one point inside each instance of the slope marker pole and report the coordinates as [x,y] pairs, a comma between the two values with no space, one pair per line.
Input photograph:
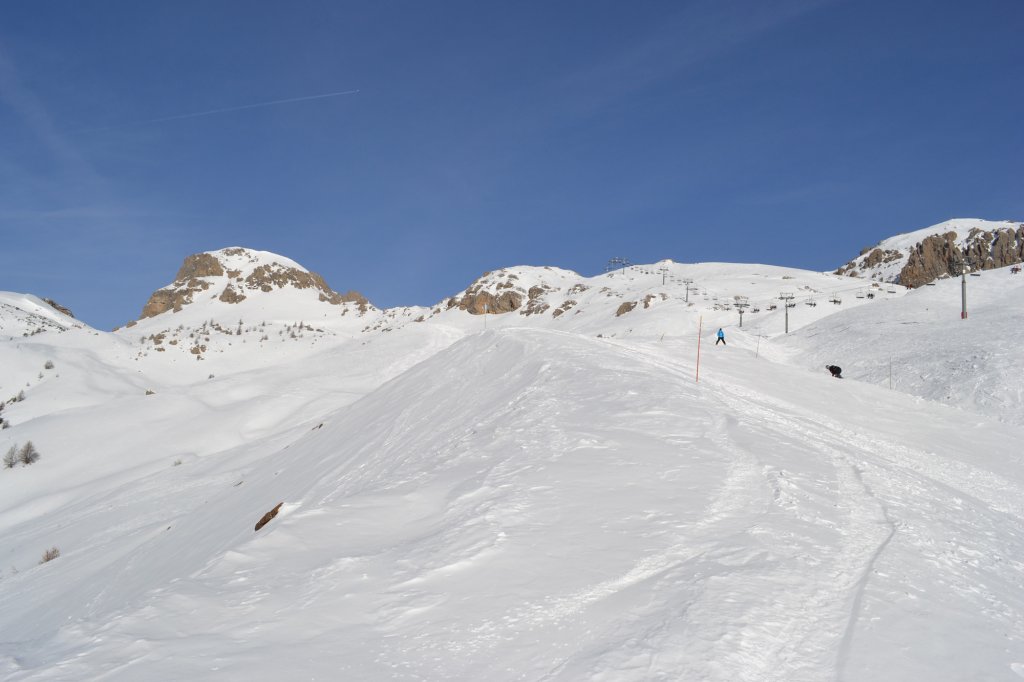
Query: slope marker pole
[700,326]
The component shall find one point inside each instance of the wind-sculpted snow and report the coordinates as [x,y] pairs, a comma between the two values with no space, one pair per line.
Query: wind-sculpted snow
[527,504]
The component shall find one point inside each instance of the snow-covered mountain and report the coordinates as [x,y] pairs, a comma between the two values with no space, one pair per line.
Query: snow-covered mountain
[917,258]
[523,481]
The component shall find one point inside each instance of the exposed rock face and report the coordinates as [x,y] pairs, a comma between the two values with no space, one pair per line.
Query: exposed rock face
[57,306]
[200,265]
[484,301]
[477,300]
[933,257]
[874,257]
[198,270]
[941,255]
[229,295]
[625,308]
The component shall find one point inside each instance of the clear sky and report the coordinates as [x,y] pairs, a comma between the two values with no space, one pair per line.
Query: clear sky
[489,134]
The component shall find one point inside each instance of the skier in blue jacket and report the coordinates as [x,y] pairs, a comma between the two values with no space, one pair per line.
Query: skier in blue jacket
[721,338]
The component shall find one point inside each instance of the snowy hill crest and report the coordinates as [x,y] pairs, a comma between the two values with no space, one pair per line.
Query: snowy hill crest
[233,274]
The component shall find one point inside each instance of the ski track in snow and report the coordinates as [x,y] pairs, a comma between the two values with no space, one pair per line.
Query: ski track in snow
[872,522]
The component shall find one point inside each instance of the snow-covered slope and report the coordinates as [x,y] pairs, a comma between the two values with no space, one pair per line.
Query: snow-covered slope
[523,495]
[920,345]
[542,505]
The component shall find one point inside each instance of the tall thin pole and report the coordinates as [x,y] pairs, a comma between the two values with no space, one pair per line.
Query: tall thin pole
[758,349]
[786,298]
[700,326]
[963,292]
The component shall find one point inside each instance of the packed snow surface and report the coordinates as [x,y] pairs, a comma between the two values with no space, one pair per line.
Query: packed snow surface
[523,496]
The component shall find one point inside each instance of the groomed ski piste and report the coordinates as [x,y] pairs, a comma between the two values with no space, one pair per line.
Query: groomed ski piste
[524,497]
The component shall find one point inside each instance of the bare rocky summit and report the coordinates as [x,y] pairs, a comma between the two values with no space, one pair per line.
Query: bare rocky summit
[234,274]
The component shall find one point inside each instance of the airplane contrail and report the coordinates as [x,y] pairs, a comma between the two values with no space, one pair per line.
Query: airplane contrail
[251,106]
[211,112]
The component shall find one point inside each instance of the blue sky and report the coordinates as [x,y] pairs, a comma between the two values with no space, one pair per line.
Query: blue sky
[489,134]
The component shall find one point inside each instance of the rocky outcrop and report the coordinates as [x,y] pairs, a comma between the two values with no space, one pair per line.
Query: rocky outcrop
[566,305]
[496,293]
[58,307]
[229,295]
[932,257]
[941,255]
[163,300]
[269,516]
[536,304]
[874,258]
[484,301]
[199,265]
[198,270]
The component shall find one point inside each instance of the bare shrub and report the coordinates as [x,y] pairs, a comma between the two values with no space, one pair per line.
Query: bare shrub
[28,454]
[50,555]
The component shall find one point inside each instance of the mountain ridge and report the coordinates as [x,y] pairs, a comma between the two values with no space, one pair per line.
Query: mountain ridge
[920,257]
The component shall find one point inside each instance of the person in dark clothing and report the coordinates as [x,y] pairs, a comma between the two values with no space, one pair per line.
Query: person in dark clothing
[837,372]
[721,338]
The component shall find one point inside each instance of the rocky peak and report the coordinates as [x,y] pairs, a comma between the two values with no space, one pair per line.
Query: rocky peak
[524,289]
[234,274]
[917,258]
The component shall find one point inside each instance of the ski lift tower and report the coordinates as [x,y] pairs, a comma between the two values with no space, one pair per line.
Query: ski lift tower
[616,263]
[664,271]
[687,281]
[787,301]
[741,303]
